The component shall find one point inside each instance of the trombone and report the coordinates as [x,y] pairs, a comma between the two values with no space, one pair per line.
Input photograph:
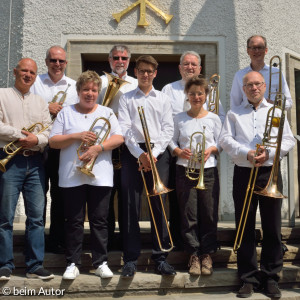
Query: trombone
[158,187]
[114,85]
[12,148]
[197,156]
[271,189]
[214,95]
[276,63]
[87,167]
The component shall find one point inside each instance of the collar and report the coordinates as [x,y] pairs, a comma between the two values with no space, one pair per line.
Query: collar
[20,94]
[247,104]
[115,74]
[151,93]
[46,78]
[265,67]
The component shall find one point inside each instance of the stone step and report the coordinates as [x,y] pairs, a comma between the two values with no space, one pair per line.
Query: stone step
[179,259]
[145,282]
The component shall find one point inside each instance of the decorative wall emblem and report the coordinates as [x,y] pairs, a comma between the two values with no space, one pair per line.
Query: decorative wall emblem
[142,20]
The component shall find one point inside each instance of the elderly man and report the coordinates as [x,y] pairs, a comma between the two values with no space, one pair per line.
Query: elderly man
[119,58]
[24,173]
[243,129]
[190,65]
[257,50]
[48,85]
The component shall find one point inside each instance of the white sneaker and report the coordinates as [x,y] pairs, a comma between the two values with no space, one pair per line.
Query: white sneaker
[104,271]
[71,272]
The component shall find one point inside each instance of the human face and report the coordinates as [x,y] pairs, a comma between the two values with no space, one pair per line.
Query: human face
[196,96]
[119,62]
[189,67]
[254,87]
[25,74]
[257,50]
[145,74]
[88,95]
[56,69]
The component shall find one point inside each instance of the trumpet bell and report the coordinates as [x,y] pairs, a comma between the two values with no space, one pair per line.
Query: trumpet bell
[85,170]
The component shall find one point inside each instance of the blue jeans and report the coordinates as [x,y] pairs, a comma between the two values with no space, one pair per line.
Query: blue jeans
[26,175]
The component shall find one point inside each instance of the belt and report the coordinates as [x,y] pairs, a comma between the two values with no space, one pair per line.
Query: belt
[25,152]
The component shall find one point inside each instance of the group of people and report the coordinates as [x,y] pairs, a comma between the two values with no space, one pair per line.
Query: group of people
[185,139]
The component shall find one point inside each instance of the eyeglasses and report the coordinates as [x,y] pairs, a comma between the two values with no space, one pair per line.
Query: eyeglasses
[259,48]
[251,85]
[193,65]
[193,95]
[54,61]
[122,57]
[142,72]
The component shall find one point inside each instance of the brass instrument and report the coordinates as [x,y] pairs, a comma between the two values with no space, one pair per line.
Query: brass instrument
[214,95]
[271,74]
[62,99]
[114,85]
[198,156]
[12,148]
[87,167]
[158,187]
[271,189]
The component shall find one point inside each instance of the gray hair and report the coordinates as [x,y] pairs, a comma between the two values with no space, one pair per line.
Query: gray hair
[55,46]
[249,39]
[121,48]
[190,53]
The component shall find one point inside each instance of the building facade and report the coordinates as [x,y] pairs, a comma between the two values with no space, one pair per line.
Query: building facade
[216,29]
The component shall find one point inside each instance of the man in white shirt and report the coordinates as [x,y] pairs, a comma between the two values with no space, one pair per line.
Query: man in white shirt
[257,50]
[119,59]
[190,66]
[243,129]
[24,172]
[47,86]
[158,115]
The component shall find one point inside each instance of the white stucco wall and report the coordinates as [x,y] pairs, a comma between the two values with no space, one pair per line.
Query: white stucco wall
[49,22]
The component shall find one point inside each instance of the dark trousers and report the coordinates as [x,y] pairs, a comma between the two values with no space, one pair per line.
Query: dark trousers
[270,211]
[199,211]
[56,234]
[75,200]
[132,188]
[174,212]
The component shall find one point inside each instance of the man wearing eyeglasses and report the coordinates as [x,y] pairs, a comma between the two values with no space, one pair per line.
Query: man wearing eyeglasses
[257,50]
[119,59]
[47,86]
[158,115]
[242,131]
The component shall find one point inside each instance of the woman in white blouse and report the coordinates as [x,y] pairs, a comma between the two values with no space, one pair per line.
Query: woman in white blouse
[70,129]
[198,208]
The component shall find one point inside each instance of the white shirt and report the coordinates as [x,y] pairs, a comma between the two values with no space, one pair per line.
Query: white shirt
[131,85]
[47,89]
[68,121]
[244,128]
[185,126]
[175,90]
[237,94]
[158,115]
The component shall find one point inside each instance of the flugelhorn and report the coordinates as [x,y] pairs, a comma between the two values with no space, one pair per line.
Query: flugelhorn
[197,157]
[87,167]
[214,95]
[12,148]
[271,190]
[114,85]
[158,187]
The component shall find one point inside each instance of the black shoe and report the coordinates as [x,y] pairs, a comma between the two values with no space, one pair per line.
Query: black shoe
[163,268]
[40,273]
[272,290]
[245,291]
[128,270]
[5,273]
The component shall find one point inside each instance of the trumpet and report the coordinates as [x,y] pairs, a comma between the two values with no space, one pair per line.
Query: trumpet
[60,100]
[197,156]
[87,167]
[271,189]
[158,187]
[214,95]
[271,74]
[12,148]
[114,85]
